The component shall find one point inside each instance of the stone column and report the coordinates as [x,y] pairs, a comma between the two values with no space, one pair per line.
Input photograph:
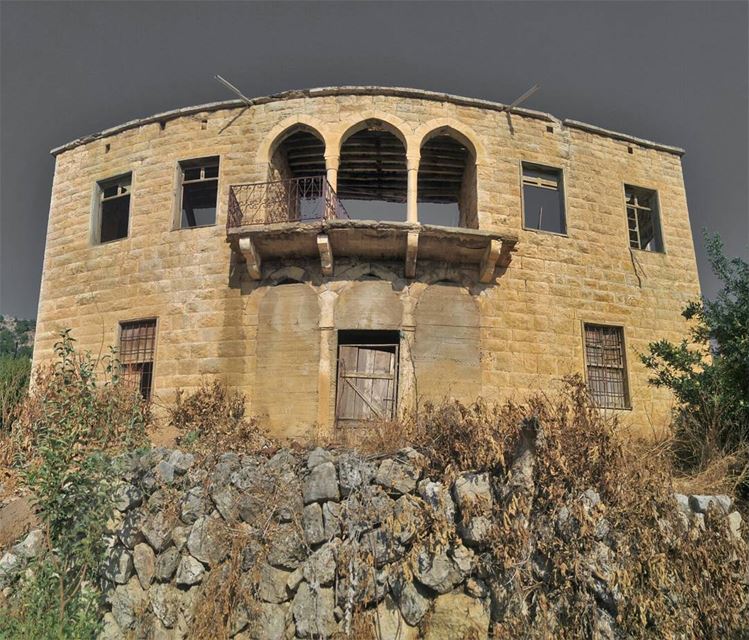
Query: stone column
[413,182]
[331,168]
[327,365]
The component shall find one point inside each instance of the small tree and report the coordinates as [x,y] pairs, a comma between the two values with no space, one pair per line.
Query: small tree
[708,372]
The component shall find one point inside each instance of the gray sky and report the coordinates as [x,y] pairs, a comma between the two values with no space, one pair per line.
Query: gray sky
[674,72]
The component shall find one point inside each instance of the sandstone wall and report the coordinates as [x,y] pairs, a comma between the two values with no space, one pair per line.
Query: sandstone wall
[213,321]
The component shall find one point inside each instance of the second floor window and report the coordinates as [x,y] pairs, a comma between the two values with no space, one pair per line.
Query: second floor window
[643,222]
[113,213]
[199,192]
[543,199]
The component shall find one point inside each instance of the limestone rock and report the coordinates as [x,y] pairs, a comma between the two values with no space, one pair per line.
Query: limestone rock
[31,546]
[118,567]
[287,549]
[440,572]
[129,602]
[269,623]
[473,492]
[10,567]
[701,504]
[164,472]
[312,520]
[272,584]
[412,600]
[734,524]
[313,612]
[226,500]
[390,623]
[129,531]
[318,456]
[157,530]
[127,496]
[165,603]
[353,472]
[144,561]
[205,541]
[456,615]
[189,572]
[320,567]
[194,505]
[438,498]
[166,564]
[331,516]
[397,477]
[321,484]
[181,462]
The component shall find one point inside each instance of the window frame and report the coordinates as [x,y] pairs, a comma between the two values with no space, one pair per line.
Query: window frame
[562,187]
[155,321]
[180,182]
[625,363]
[657,197]
[97,199]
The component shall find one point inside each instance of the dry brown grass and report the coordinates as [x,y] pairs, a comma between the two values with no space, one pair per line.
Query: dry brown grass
[212,420]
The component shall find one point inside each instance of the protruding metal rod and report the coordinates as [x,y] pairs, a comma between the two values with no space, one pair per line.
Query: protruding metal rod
[522,98]
[232,88]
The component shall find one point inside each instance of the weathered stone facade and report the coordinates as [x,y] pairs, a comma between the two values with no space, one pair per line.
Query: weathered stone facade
[275,337]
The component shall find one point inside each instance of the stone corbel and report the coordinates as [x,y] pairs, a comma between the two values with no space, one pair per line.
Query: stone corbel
[251,258]
[326,254]
[489,261]
[412,250]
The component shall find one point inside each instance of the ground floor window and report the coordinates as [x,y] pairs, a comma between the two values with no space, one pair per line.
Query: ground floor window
[606,366]
[367,385]
[136,354]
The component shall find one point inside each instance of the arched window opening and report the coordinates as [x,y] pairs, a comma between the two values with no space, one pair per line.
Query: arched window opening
[297,171]
[447,183]
[372,177]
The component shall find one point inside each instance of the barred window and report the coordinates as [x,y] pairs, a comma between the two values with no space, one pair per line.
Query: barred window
[199,192]
[543,199]
[643,222]
[606,365]
[137,347]
[113,208]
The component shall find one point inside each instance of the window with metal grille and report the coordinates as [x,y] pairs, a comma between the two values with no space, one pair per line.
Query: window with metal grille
[136,354]
[113,208]
[543,199]
[606,365]
[643,221]
[199,192]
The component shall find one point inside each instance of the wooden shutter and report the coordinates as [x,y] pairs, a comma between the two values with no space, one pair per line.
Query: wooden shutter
[367,383]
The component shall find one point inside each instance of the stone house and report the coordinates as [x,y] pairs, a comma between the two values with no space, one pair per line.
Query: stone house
[338,254]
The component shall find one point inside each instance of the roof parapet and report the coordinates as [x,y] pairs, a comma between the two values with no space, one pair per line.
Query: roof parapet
[364,90]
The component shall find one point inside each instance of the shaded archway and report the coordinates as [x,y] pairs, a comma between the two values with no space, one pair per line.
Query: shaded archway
[447,182]
[372,178]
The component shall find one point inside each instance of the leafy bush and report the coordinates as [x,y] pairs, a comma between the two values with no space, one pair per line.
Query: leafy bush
[14,381]
[708,372]
[64,438]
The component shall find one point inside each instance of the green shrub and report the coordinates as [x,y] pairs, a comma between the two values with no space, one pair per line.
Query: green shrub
[708,372]
[14,381]
[76,419]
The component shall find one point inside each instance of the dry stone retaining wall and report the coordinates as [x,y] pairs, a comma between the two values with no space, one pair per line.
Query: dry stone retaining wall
[325,536]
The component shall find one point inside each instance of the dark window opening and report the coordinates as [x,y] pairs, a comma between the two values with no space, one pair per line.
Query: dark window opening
[643,221]
[372,176]
[367,381]
[114,208]
[543,199]
[606,366]
[447,183]
[199,192]
[136,354]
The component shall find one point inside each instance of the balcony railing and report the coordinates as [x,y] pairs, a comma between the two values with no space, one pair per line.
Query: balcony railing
[294,200]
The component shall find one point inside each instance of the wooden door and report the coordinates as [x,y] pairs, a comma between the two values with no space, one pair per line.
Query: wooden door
[367,383]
